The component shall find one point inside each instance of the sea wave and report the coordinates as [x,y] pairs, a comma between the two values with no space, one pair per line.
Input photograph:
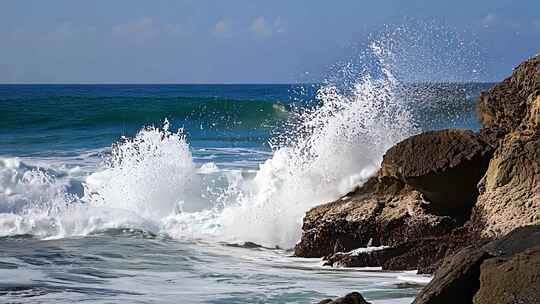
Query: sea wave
[151,182]
[87,112]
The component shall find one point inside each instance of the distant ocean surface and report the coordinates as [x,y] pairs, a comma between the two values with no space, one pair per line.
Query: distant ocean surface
[147,193]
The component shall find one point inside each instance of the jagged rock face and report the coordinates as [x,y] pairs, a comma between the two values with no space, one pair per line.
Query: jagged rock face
[456,281]
[510,280]
[440,191]
[383,212]
[422,254]
[491,273]
[445,166]
[507,105]
[510,190]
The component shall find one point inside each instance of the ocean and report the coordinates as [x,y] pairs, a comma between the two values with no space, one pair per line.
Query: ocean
[196,193]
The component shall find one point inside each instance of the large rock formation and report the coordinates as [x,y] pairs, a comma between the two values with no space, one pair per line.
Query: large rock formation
[510,280]
[502,271]
[413,205]
[381,212]
[465,205]
[444,165]
[510,190]
[512,103]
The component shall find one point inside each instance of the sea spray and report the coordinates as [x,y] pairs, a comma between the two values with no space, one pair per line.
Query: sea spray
[150,182]
[338,145]
[150,174]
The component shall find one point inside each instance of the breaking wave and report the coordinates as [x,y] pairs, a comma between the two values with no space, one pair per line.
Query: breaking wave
[150,182]
[153,183]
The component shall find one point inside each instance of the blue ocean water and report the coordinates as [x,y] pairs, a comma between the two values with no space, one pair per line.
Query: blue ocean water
[97,205]
[48,119]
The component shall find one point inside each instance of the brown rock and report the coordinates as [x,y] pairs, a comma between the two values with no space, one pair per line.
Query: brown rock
[507,106]
[351,298]
[510,280]
[445,166]
[419,254]
[382,212]
[341,225]
[458,279]
[519,240]
[432,183]
[510,190]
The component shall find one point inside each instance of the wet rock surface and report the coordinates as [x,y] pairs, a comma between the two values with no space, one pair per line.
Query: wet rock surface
[382,212]
[456,281]
[351,298]
[490,273]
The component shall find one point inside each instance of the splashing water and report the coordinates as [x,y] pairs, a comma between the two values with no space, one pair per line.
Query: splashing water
[338,146]
[151,175]
[151,182]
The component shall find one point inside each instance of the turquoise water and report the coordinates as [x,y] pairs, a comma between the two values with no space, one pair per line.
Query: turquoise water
[97,205]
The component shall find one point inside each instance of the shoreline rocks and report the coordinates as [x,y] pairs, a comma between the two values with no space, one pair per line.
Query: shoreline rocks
[351,298]
[510,190]
[462,205]
[381,212]
[490,272]
[445,166]
[413,205]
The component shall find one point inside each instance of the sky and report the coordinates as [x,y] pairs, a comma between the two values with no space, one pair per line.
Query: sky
[241,41]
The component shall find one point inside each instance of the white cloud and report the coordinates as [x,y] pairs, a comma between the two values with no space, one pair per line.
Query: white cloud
[221,28]
[260,27]
[173,29]
[279,26]
[142,26]
[263,28]
[138,31]
[489,20]
[536,24]
[145,29]
[62,32]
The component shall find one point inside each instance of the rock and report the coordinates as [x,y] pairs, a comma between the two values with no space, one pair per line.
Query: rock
[346,223]
[510,190]
[510,280]
[445,166]
[515,242]
[381,212]
[419,254]
[440,191]
[351,298]
[512,103]
[458,279]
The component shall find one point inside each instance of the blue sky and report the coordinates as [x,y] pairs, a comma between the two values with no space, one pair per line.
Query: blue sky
[200,41]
